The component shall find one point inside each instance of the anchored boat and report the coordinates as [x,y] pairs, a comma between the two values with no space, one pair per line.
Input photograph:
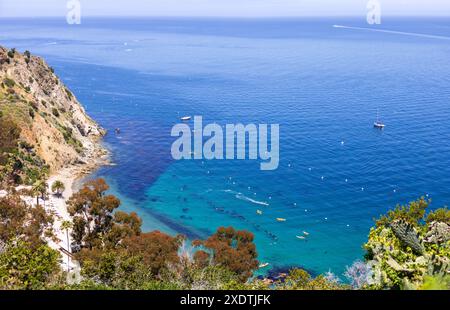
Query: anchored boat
[378,124]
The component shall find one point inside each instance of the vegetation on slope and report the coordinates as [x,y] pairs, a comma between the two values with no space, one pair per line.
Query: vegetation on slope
[114,253]
[410,249]
[42,126]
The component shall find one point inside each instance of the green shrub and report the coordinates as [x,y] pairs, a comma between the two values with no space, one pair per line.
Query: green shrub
[55,112]
[69,93]
[9,82]
[34,105]
[22,267]
[11,53]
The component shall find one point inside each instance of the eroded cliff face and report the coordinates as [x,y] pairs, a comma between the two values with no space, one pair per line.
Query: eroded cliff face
[52,123]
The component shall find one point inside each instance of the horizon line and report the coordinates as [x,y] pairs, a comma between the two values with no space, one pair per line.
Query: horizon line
[225,16]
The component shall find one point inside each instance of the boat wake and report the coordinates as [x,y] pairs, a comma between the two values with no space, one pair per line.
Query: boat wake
[241,196]
[414,34]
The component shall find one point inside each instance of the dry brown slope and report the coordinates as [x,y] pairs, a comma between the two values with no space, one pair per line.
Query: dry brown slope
[48,114]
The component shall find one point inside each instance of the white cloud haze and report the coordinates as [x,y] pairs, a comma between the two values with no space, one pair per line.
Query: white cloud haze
[238,8]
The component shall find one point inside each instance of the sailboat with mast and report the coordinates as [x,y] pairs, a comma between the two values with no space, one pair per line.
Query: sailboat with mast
[378,123]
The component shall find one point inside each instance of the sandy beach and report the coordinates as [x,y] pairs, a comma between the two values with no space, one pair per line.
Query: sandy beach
[96,156]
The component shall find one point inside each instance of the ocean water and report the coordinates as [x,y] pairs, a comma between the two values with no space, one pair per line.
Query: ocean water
[322,84]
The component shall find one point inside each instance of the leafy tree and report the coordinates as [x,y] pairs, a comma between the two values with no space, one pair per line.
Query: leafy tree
[92,210]
[230,248]
[115,268]
[25,267]
[39,190]
[58,187]
[413,213]
[124,225]
[67,225]
[158,250]
[18,220]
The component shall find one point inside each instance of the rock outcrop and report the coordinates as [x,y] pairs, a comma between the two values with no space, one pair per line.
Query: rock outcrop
[51,120]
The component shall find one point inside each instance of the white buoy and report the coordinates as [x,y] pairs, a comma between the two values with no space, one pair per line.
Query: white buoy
[346,180]
[322,177]
[326,218]
[362,188]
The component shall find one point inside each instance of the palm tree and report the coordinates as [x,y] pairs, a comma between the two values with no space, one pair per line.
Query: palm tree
[58,187]
[67,225]
[40,189]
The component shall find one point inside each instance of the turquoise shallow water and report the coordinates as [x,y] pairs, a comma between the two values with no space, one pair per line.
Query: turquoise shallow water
[323,85]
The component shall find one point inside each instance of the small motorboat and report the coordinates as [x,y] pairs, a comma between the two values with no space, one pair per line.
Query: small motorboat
[263,265]
[185,118]
[259,212]
[306,233]
[301,237]
[280,219]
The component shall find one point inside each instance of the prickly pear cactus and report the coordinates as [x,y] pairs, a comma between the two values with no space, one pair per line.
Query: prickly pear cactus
[406,233]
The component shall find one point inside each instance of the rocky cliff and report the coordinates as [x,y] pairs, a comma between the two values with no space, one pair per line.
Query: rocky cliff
[54,129]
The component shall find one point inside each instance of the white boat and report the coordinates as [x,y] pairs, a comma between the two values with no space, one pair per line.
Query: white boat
[185,118]
[263,265]
[280,219]
[306,233]
[378,124]
[301,237]
[259,212]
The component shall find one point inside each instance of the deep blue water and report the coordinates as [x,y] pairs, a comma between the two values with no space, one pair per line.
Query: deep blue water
[322,84]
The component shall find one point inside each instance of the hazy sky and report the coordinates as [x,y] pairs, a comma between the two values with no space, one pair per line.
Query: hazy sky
[250,8]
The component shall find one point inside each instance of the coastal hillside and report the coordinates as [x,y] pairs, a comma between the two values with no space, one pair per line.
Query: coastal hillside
[44,127]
